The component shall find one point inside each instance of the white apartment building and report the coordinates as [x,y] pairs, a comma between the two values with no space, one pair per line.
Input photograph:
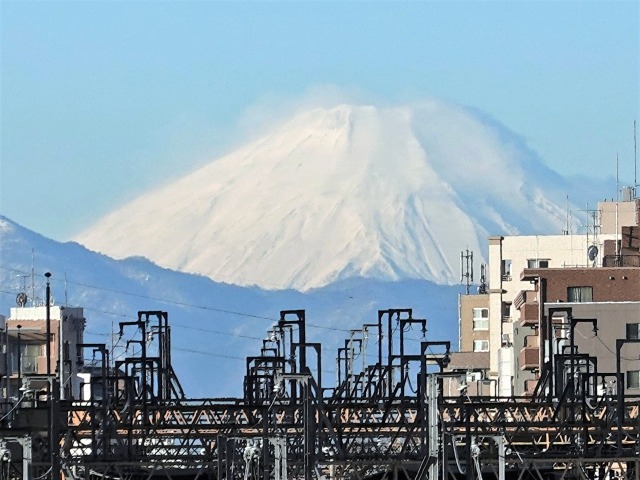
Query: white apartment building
[26,348]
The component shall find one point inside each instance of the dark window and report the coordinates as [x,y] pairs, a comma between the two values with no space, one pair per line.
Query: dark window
[633,331]
[506,311]
[633,379]
[506,269]
[580,294]
[537,263]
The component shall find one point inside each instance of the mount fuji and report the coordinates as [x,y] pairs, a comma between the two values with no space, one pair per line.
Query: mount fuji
[349,191]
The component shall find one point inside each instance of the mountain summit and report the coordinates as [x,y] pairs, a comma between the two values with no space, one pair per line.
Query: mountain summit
[349,191]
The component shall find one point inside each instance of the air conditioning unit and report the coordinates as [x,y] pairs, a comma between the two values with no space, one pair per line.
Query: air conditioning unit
[474,377]
[506,340]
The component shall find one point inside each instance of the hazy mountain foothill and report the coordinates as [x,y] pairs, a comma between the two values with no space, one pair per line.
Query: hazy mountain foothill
[340,211]
[214,325]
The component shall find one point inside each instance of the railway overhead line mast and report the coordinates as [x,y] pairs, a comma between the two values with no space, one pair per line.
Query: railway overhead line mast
[386,419]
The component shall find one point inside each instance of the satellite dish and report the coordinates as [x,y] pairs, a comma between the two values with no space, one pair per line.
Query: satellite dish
[592,252]
[21,299]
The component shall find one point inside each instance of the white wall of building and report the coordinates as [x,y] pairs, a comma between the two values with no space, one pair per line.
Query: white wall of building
[558,250]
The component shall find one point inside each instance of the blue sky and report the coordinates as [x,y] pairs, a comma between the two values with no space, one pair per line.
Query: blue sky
[103,100]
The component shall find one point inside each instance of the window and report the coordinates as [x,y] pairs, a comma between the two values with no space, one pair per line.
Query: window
[580,294]
[633,331]
[27,358]
[506,270]
[537,263]
[633,379]
[481,319]
[481,345]
[506,311]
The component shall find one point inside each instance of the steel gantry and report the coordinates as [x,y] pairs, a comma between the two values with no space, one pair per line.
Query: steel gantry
[384,419]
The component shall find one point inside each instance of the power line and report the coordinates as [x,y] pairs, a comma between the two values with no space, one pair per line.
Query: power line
[184,304]
[200,352]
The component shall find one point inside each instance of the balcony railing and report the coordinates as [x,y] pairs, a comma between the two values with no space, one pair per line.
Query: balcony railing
[621,261]
[530,386]
[529,315]
[529,358]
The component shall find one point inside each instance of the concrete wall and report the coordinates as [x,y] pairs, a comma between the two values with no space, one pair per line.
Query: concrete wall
[614,215]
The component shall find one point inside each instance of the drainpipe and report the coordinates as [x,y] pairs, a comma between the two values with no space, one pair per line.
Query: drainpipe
[19,357]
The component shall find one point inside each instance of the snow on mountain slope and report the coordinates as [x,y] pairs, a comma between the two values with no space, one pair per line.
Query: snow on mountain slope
[214,326]
[334,193]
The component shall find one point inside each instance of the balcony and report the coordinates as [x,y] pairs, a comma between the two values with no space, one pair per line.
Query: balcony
[525,296]
[530,353]
[529,314]
[530,386]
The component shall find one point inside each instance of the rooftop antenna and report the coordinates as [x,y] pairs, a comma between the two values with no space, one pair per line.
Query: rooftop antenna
[617,205]
[33,276]
[466,269]
[21,298]
[482,288]
[592,254]
[635,161]
[592,225]
[566,232]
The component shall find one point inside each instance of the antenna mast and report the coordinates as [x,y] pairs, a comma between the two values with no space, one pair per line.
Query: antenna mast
[483,279]
[466,269]
[566,232]
[33,277]
[617,205]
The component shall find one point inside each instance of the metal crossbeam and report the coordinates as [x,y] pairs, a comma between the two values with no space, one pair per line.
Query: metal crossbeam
[289,426]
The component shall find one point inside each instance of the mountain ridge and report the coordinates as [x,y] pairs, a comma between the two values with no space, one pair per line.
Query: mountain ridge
[386,193]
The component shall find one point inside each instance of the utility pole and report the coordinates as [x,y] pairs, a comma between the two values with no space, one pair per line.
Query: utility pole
[52,393]
[19,357]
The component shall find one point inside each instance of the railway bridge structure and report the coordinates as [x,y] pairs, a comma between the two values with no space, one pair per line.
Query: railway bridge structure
[387,419]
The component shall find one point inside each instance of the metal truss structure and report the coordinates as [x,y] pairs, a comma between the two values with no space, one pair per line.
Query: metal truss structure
[384,419]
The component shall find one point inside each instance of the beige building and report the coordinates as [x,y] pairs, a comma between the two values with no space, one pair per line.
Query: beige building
[617,214]
[474,323]
[472,359]
[510,255]
[598,305]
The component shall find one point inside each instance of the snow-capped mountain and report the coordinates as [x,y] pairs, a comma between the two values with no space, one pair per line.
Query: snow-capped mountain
[386,193]
[214,326]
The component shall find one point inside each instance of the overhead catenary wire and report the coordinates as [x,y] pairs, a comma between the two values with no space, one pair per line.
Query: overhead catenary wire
[179,303]
[184,304]
[192,305]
